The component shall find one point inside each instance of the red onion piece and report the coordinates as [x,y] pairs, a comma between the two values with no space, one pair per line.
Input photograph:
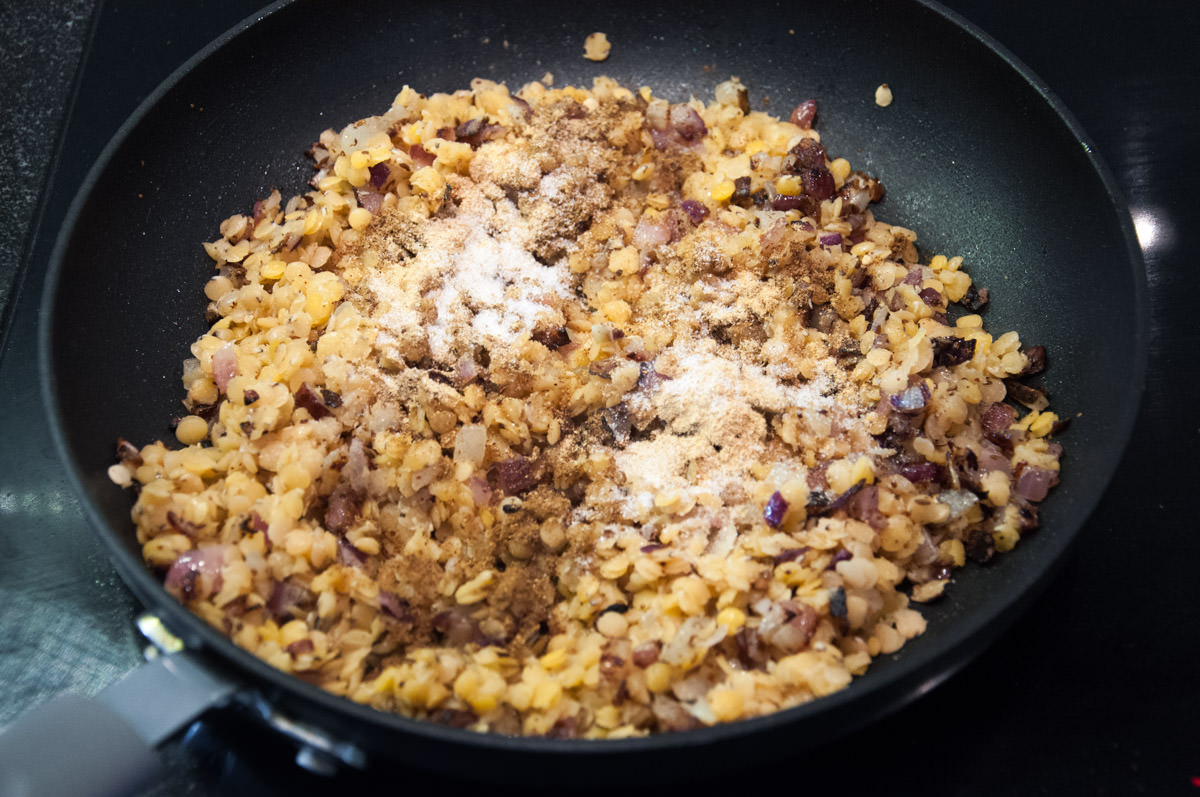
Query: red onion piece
[749,647]
[696,211]
[286,598]
[349,555]
[790,555]
[919,472]
[997,418]
[343,508]
[672,716]
[300,647]
[831,239]
[380,174]
[992,458]
[818,182]
[552,338]
[1037,360]
[616,419]
[312,401]
[395,607]
[804,115]
[421,156]
[369,199]
[661,138]
[952,351]
[128,453]
[1034,398]
[1034,483]
[975,299]
[865,507]
[481,493]
[514,475]
[808,154]
[456,626]
[927,552]
[196,574]
[777,507]
[787,203]
[841,556]
[687,122]
[797,629]
[224,366]
[185,527]
[819,503]
[652,233]
[466,370]
[476,131]
[526,109]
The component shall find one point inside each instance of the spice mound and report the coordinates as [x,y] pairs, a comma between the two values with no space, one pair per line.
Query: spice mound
[576,412]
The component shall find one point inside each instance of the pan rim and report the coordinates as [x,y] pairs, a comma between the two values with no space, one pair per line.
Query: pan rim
[952,654]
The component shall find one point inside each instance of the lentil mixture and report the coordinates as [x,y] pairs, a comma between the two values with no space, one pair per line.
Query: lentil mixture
[580,413]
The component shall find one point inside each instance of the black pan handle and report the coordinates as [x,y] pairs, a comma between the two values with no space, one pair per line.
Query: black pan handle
[104,746]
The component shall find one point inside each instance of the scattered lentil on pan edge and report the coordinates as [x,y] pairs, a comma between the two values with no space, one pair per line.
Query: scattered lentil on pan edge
[576,412]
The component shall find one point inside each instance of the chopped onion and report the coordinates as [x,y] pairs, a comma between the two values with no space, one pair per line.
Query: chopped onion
[224,365]
[420,156]
[380,173]
[196,573]
[514,475]
[369,199]
[865,507]
[777,507]
[997,418]
[286,597]
[804,115]
[349,555]
[1034,483]
[918,472]
[992,458]
[652,233]
[395,607]
[470,444]
[687,122]
[696,211]
[357,465]
[481,493]
[424,477]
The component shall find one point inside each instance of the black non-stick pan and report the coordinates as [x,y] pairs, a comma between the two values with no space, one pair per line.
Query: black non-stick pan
[976,155]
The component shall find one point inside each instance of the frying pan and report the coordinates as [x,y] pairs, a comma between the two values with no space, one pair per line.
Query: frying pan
[976,154]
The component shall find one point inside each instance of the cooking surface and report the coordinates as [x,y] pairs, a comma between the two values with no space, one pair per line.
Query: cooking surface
[1091,692]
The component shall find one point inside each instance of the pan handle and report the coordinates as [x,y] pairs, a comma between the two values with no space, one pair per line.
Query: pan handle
[104,746]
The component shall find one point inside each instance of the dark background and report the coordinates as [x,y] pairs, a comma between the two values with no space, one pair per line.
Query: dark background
[1092,691]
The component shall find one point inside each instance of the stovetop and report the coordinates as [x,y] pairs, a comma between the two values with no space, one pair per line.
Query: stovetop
[1092,691]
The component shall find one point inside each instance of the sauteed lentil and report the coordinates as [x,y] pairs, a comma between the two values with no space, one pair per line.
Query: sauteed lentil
[581,413]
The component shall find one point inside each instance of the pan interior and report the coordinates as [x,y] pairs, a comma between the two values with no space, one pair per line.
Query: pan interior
[976,158]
